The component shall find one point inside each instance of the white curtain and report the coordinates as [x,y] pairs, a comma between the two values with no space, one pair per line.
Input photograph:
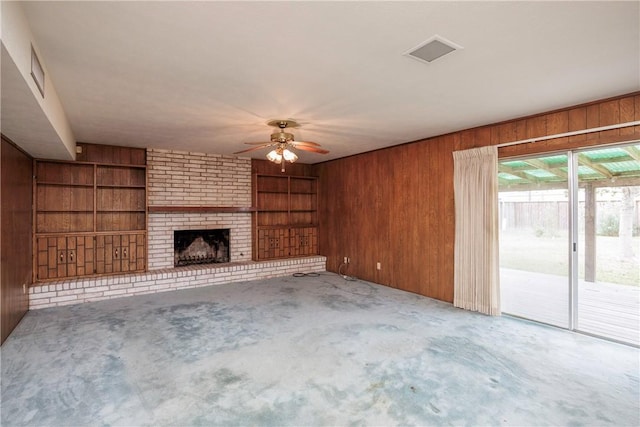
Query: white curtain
[477,274]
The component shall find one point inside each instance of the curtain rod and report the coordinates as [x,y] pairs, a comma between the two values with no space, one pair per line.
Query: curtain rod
[577,132]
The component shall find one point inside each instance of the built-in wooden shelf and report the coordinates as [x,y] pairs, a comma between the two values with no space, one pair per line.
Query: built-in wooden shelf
[285,223]
[90,218]
[202,209]
[142,186]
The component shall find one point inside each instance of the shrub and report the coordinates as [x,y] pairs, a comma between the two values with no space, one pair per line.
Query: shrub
[608,225]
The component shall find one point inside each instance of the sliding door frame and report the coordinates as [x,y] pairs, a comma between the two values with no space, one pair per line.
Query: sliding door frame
[573,246]
[572,164]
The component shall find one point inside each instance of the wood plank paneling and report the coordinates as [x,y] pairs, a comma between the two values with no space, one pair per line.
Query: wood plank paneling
[111,154]
[16,196]
[383,207]
[396,205]
[627,114]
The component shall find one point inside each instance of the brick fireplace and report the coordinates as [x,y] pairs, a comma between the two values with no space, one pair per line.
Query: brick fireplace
[162,227]
[197,180]
[199,247]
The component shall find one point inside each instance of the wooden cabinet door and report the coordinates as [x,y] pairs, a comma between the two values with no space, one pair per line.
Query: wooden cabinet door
[120,253]
[80,255]
[125,252]
[64,256]
[295,242]
[108,253]
[273,243]
[304,241]
[51,257]
[133,253]
[137,252]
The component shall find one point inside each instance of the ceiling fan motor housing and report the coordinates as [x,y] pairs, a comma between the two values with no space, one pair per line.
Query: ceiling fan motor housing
[281,137]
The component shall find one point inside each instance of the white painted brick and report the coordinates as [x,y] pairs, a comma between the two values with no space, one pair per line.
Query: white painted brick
[114,292]
[64,298]
[39,301]
[138,290]
[43,304]
[93,296]
[69,292]
[169,279]
[41,296]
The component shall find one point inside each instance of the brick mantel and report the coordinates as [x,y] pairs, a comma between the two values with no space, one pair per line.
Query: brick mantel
[204,209]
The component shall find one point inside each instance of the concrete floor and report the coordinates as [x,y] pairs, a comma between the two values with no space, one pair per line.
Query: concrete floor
[307,351]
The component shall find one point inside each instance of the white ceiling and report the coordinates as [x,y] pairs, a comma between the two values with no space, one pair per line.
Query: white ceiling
[207,76]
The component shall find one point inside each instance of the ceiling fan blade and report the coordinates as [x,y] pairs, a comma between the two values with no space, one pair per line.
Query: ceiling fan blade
[307,143]
[312,149]
[253,149]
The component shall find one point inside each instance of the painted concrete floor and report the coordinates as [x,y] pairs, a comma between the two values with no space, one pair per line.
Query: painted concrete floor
[307,351]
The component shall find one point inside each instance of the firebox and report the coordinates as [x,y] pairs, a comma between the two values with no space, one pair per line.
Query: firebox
[201,246]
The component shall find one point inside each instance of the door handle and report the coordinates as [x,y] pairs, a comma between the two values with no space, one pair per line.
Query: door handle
[116,254]
[71,256]
[124,252]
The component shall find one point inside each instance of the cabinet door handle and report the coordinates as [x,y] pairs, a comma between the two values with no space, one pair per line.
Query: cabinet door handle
[61,256]
[116,253]
[71,256]
[124,252]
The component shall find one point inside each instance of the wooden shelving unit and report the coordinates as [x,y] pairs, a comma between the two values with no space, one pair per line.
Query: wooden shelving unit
[121,202]
[286,217]
[90,218]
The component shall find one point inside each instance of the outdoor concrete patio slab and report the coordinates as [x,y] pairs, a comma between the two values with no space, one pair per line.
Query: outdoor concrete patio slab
[307,351]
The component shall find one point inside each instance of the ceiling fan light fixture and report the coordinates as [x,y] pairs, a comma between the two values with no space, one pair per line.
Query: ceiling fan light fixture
[289,155]
[274,156]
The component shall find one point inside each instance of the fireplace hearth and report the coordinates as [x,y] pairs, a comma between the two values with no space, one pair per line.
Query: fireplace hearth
[201,246]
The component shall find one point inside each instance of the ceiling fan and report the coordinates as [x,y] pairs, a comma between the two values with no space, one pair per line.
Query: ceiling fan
[284,143]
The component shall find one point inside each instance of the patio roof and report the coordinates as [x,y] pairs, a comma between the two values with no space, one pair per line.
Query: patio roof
[615,166]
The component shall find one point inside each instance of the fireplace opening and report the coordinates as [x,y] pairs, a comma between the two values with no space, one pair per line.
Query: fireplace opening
[201,246]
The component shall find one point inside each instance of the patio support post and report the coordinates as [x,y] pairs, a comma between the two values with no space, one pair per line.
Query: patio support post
[590,233]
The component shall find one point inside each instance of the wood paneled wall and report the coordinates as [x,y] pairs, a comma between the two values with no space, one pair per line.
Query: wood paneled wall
[15,230]
[111,154]
[396,205]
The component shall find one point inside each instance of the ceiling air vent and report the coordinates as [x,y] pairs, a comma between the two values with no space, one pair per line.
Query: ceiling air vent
[432,49]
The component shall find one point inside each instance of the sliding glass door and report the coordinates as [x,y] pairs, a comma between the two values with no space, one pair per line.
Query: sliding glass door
[534,232]
[570,240]
[608,291]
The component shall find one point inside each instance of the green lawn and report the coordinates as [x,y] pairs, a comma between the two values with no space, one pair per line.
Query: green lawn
[523,250]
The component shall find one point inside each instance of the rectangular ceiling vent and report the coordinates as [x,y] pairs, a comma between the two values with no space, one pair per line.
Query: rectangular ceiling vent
[432,49]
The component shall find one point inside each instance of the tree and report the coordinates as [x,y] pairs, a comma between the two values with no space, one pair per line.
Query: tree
[625,228]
